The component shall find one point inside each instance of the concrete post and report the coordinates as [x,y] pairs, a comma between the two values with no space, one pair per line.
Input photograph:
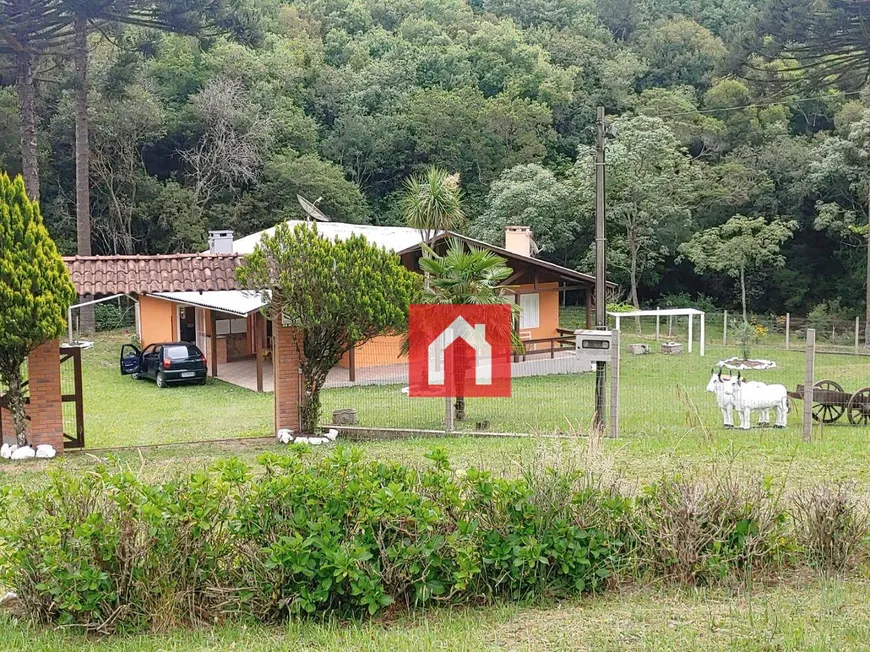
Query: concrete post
[614,385]
[809,381]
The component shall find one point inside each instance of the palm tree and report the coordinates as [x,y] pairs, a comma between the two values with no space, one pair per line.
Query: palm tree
[432,202]
[468,276]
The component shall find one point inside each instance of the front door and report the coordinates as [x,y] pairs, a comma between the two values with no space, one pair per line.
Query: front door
[187,323]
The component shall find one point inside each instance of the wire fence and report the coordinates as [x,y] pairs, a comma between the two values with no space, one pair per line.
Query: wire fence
[662,386]
[550,392]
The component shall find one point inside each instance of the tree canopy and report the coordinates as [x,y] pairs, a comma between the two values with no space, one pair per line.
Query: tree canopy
[754,106]
[336,293]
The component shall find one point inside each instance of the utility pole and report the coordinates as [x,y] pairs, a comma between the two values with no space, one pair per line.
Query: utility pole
[600,272]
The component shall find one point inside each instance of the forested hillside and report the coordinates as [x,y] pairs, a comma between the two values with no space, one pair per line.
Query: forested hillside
[342,100]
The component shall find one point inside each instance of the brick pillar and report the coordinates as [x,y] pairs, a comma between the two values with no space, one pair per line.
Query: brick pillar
[45,409]
[8,428]
[285,364]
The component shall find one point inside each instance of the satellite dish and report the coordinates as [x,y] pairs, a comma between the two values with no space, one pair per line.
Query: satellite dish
[311,211]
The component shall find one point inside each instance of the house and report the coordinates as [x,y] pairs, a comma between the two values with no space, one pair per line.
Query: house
[228,325]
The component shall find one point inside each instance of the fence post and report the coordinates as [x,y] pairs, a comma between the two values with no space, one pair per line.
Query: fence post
[448,414]
[658,323]
[725,328]
[857,334]
[787,329]
[691,337]
[809,381]
[614,385]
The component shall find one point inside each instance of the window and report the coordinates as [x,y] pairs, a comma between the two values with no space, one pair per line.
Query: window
[529,311]
[181,352]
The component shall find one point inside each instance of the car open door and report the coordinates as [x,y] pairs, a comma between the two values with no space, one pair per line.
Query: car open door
[131,360]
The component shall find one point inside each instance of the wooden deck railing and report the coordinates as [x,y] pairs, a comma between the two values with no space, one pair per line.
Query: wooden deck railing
[552,345]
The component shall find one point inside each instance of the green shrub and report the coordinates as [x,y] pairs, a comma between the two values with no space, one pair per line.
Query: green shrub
[701,533]
[110,316]
[830,525]
[339,536]
[105,551]
[686,300]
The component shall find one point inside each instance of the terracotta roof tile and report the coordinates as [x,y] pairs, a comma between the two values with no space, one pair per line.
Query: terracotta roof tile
[105,275]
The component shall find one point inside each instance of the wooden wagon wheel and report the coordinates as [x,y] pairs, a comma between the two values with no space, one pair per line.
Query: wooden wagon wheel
[859,407]
[827,412]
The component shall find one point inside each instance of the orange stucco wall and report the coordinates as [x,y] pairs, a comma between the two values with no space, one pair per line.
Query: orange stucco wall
[157,320]
[378,351]
[548,307]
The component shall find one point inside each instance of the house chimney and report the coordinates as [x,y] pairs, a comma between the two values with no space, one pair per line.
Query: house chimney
[518,240]
[220,242]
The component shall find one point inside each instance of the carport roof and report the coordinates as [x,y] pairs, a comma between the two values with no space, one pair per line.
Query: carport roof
[235,302]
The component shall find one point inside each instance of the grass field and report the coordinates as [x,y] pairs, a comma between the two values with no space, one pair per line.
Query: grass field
[810,614]
[660,428]
[661,396]
[661,434]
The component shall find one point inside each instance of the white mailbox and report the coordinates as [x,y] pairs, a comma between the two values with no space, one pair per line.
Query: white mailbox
[592,347]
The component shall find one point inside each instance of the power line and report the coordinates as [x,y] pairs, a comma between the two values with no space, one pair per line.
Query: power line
[754,105]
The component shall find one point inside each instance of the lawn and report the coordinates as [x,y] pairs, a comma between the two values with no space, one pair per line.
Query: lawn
[811,614]
[663,397]
[120,411]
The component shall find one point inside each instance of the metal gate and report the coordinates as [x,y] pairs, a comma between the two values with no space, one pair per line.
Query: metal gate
[72,401]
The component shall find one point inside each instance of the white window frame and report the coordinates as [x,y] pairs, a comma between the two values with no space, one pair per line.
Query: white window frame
[530,310]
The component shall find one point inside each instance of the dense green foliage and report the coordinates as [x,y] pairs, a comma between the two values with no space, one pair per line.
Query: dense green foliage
[107,551]
[35,290]
[344,100]
[336,293]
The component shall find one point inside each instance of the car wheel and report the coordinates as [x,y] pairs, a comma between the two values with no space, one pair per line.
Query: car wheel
[161,380]
[135,376]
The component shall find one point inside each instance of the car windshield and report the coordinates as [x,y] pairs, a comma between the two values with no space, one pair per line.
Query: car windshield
[181,352]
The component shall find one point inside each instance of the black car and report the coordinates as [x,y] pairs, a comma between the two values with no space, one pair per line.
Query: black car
[170,362]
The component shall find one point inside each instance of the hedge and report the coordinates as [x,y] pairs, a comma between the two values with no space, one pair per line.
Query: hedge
[105,551]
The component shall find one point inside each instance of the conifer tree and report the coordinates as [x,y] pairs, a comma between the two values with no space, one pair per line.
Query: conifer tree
[35,291]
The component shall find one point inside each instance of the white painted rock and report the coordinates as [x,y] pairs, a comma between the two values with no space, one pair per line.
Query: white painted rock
[23,453]
[285,436]
[406,391]
[45,451]
[331,434]
[10,595]
[6,450]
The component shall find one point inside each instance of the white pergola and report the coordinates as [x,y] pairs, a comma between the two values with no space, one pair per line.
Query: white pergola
[658,313]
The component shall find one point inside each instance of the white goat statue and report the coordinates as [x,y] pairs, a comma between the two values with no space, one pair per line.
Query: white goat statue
[720,386]
[758,396]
